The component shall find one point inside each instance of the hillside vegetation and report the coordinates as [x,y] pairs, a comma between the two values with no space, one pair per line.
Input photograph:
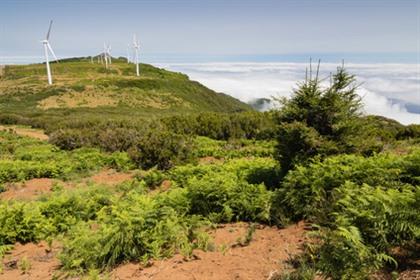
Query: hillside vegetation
[83,90]
[353,180]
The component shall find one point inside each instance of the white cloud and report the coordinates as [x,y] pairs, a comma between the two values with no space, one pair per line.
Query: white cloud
[377,104]
[386,88]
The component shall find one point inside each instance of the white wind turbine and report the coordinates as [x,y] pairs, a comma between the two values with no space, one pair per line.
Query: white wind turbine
[108,52]
[136,47]
[47,47]
[105,55]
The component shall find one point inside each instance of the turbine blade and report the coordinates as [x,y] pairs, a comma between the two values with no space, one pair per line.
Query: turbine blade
[49,30]
[52,52]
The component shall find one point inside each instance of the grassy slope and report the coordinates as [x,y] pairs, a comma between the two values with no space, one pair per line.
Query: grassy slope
[85,90]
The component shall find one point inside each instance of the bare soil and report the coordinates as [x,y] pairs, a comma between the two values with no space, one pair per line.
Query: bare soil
[31,261]
[210,160]
[27,190]
[25,131]
[267,251]
[111,177]
[266,254]
[32,189]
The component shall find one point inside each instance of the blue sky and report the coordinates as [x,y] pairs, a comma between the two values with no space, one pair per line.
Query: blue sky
[215,29]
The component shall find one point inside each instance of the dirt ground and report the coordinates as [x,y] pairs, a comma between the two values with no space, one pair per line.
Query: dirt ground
[110,177]
[31,189]
[27,190]
[24,131]
[264,255]
[31,261]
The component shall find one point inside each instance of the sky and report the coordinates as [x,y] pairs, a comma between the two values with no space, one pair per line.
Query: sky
[246,48]
[210,30]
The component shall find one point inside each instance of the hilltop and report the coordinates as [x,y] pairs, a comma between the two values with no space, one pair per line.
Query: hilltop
[83,88]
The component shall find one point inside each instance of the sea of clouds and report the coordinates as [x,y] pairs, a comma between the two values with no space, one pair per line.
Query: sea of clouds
[390,90]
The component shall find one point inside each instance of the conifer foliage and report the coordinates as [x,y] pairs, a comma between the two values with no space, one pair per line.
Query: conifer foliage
[317,119]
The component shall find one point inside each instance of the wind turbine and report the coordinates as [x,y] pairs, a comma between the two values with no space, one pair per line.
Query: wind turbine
[47,47]
[108,52]
[136,46]
[105,54]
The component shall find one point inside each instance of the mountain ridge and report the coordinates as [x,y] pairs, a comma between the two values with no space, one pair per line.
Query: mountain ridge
[82,87]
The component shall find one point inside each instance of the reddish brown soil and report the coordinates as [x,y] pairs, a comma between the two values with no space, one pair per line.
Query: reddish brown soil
[27,190]
[209,160]
[33,188]
[263,256]
[166,185]
[110,177]
[41,259]
[266,252]
[23,131]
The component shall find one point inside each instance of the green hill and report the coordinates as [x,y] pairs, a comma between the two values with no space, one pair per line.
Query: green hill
[83,89]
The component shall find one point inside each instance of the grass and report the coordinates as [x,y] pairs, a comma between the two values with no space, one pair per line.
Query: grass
[116,94]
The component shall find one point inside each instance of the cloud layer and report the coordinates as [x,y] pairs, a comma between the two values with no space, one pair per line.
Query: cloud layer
[390,90]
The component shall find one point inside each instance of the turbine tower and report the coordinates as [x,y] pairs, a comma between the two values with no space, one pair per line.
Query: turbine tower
[136,46]
[47,47]
[105,55]
[108,52]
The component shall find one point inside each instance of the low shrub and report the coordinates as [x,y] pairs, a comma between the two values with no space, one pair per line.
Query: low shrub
[23,158]
[36,220]
[368,224]
[152,178]
[162,149]
[224,197]
[252,170]
[306,191]
[134,228]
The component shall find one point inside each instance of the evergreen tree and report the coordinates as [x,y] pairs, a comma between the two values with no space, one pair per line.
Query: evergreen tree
[318,119]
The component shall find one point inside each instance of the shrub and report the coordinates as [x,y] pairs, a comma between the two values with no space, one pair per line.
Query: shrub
[368,223]
[134,228]
[152,178]
[233,148]
[34,221]
[410,131]
[252,170]
[21,222]
[162,149]
[224,198]
[363,208]
[26,158]
[306,191]
[67,139]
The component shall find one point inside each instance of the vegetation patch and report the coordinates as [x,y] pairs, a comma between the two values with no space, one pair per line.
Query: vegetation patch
[200,159]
